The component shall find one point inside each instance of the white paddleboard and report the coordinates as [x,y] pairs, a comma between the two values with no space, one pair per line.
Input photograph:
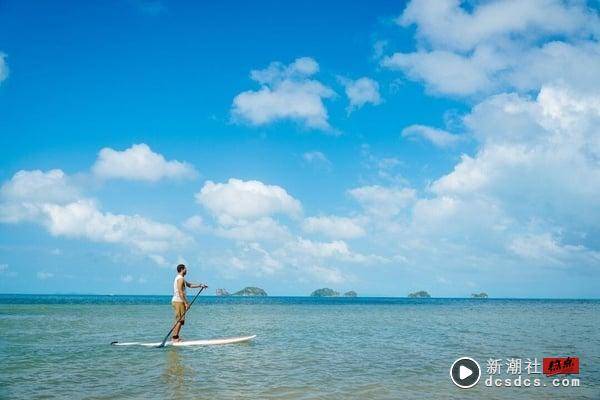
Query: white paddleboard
[209,342]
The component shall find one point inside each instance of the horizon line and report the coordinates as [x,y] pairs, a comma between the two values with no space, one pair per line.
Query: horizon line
[340,296]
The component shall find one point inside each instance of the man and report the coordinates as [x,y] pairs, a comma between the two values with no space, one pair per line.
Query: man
[180,302]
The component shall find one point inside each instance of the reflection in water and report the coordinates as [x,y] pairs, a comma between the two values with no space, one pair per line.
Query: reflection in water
[175,374]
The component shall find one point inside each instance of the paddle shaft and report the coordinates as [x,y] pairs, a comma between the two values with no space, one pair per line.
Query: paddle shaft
[162,344]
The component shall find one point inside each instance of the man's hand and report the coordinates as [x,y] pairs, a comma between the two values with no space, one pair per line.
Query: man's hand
[187,306]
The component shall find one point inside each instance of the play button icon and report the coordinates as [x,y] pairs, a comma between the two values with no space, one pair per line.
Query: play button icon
[465,372]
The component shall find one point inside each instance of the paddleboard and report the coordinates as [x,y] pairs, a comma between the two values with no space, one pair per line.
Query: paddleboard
[209,342]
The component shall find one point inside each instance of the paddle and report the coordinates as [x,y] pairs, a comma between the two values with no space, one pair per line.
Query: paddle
[183,316]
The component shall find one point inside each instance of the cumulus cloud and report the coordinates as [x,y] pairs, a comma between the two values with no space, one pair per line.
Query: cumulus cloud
[287,92]
[47,198]
[547,249]
[514,44]
[249,258]
[383,201]
[237,199]
[437,137]
[262,229]
[443,71]
[328,275]
[527,196]
[245,212]
[195,223]
[3,67]
[313,252]
[83,219]
[360,92]
[24,194]
[334,227]
[446,23]
[139,162]
[544,152]
[293,256]
[523,200]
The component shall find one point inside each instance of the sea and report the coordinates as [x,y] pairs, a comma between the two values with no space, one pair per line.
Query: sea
[58,347]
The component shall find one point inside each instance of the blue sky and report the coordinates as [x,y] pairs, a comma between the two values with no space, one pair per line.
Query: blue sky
[384,147]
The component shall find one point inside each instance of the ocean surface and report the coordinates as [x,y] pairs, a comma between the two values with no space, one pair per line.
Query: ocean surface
[57,347]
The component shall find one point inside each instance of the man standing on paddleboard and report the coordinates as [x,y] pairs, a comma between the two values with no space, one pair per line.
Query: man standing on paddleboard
[180,302]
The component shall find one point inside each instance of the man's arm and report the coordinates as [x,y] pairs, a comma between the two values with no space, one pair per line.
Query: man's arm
[195,285]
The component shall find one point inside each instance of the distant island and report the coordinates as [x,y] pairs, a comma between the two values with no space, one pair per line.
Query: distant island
[222,292]
[350,293]
[421,294]
[251,291]
[325,292]
[482,295]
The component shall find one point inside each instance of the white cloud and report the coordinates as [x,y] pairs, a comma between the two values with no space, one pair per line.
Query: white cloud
[529,193]
[276,72]
[3,67]
[48,199]
[378,48]
[238,199]
[334,227]
[127,278]
[287,92]
[317,158]
[336,248]
[360,92]
[139,162]
[438,137]
[545,248]
[328,275]
[195,223]
[250,258]
[519,44]
[256,230]
[543,152]
[24,194]
[313,252]
[44,275]
[383,201]
[294,256]
[446,24]
[83,219]
[443,71]
[38,186]
[159,260]
[527,197]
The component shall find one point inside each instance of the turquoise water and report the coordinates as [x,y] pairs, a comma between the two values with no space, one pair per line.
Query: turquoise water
[307,348]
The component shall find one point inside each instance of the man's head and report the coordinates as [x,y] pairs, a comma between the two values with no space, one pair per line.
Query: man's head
[181,269]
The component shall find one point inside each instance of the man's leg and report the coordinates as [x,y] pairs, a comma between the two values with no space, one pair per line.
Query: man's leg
[179,312]
[176,331]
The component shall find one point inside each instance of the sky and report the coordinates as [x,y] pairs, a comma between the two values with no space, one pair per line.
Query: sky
[383,147]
